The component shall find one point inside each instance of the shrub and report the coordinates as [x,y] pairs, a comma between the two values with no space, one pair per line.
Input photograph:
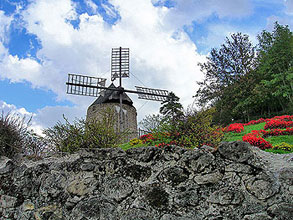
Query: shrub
[196,130]
[278,124]
[277,132]
[236,127]
[15,136]
[284,146]
[35,146]
[255,139]
[13,130]
[135,141]
[94,133]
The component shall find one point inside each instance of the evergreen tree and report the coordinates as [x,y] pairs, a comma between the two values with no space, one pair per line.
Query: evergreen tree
[171,108]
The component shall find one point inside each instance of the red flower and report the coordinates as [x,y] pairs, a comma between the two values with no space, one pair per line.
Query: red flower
[237,128]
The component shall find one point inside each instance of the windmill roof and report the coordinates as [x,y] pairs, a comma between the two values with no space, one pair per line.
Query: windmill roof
[112,96]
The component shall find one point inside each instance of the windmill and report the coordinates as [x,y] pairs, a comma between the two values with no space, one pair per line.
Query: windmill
[95,86]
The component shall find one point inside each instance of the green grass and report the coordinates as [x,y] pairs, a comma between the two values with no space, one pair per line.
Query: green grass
[127,146]
[276,140]
[247,129]
[278,151]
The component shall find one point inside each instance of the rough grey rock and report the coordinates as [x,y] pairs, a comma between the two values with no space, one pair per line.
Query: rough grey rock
[237,181]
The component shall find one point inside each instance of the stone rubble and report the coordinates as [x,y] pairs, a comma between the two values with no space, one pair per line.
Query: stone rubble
[237,181]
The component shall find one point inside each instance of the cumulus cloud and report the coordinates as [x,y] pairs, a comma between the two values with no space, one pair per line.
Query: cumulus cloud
[186,11]
[157,58]
[21,113]
[45,117]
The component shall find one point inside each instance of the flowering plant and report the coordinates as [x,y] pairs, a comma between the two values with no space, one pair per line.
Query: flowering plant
[255,139]
[236,127]
[278,124]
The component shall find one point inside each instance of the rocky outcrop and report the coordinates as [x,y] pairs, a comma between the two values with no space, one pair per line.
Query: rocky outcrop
[236,181]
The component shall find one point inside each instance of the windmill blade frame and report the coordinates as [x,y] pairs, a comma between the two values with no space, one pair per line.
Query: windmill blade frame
[85,85]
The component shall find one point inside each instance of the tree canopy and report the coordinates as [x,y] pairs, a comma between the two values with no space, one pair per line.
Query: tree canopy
[244,81]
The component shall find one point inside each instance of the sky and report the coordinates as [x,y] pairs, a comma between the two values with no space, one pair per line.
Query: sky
[41,41]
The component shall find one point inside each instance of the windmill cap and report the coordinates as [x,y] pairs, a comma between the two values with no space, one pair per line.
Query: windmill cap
[112,96]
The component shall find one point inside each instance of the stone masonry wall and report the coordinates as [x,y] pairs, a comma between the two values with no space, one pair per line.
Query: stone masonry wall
[129,116]
[236,181]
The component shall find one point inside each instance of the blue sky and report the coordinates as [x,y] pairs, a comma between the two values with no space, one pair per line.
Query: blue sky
[41,41]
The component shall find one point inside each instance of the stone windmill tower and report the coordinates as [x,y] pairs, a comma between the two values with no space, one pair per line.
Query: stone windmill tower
[111,99]
[112,96]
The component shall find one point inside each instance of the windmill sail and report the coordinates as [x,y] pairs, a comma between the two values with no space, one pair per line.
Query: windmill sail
[119,63]
[85,85]
[152,94]
[94,86]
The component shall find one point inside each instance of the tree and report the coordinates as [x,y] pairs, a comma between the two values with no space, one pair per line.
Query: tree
[224,68]
[275,67]
[151,122]
[171,108]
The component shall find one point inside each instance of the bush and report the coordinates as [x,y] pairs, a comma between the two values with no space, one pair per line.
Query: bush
[12,133]
[255,139]
[236,127]
[284,146]
[94,133]
[197,130]
[15,137]
[135,141]
[193,129]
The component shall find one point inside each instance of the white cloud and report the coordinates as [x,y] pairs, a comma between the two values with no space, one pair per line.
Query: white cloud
[281,20]
[157,59]
[187,11]
[289,6]
[92,5]
[4,26]
[21,113]
[45,117]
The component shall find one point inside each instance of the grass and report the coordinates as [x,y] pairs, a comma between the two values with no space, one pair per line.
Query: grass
[278,151]
[274,140]
[247,129]
[127,146]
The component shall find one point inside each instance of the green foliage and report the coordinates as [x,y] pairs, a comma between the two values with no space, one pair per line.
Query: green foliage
[234,59]
[284,146]
[275,72]
[127,146]
[152,123]
[243,81]
[171,109]
[95,133]
[197,130]
[135,141]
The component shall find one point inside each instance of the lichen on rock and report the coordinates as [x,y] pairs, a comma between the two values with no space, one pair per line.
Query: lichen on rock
[237,181]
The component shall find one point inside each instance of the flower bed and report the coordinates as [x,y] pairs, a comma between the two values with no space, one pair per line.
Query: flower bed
[236,127]
[256,138]
[278,124]
[277,132]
